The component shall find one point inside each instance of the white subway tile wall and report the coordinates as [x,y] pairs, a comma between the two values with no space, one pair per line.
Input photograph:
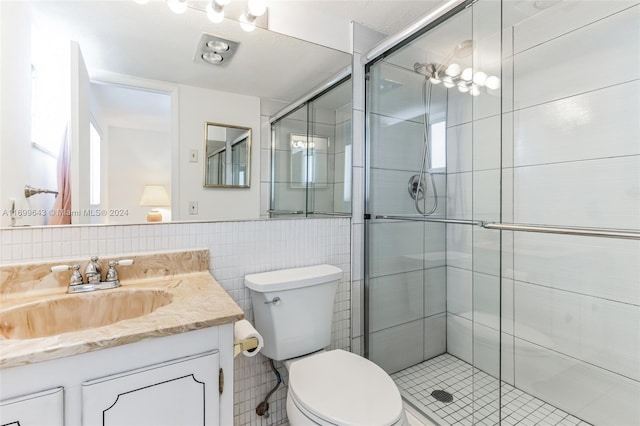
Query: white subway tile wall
[575,301]
[236,249]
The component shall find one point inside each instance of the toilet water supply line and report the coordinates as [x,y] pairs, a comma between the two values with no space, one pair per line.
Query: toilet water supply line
[263,408]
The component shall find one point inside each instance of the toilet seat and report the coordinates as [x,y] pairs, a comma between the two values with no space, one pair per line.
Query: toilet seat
[342,388]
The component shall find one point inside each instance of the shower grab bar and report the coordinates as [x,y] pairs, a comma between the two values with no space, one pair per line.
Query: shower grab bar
[286,211]
[422,218]
[544,229]
[584,232]
[331,214]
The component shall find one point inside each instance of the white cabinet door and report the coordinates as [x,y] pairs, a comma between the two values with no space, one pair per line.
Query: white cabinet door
[37,409]
[175,393]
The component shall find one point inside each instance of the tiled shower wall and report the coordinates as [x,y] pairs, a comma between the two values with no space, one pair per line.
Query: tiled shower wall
[236,249]
[571,157]
[407,321]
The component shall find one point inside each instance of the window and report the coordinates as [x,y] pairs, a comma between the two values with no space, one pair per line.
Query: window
[438,146]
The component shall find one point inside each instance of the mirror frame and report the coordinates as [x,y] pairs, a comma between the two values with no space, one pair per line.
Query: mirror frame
[204,159]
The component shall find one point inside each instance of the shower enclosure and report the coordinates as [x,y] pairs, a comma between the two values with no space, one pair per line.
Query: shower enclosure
[502,235]
[311,155]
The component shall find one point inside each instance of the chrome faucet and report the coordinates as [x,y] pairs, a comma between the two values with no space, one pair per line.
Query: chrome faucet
[93,273]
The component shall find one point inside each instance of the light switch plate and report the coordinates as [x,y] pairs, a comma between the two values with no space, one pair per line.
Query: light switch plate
[193,207]
[193,156]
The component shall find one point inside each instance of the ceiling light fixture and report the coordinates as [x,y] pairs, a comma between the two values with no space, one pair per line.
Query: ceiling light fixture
[452,74]
[248,22]
[215,12]
[255,9]
[177,6]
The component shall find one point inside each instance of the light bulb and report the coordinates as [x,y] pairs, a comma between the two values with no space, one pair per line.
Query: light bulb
[217,46]
[475,90]
[257,7]
[448,81]
[453,70]
[462,87]
[434,80]
[246,23]
[215,13]
[177,6]
[479,78]
[141,1]
[212,57]
[492,82]
[223,2]
[467,74]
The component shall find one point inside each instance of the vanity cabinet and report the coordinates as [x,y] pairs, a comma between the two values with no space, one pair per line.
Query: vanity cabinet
[44,408]
[164,380]
[175,393]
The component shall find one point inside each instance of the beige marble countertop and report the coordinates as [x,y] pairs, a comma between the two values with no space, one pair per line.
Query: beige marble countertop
[196,301]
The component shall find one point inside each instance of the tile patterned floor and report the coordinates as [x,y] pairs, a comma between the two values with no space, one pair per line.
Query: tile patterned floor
[449,373]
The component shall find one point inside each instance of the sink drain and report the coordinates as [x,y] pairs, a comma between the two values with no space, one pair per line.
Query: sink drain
[442,396]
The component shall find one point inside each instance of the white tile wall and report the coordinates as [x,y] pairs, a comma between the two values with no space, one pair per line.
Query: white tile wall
[594,193]
[398,347]
[435,335]
[563,66]
[574,141]
[395,299]
[576,128]
[587,391]
[236,249]
[594,330]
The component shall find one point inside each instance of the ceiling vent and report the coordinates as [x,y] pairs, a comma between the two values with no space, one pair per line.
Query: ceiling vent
[214,50]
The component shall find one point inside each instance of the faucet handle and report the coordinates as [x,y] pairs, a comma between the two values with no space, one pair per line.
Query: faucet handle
[112,274]
[76,276]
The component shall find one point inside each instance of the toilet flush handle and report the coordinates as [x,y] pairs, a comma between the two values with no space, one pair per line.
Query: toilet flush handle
[276,301]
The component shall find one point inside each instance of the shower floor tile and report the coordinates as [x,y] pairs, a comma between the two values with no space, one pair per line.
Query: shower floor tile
[464,382]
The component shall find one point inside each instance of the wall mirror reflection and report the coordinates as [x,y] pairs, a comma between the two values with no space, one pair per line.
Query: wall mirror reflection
[227,156]
[311,153]
[73,64]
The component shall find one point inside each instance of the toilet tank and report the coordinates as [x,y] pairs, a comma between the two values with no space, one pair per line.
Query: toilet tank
[293,309]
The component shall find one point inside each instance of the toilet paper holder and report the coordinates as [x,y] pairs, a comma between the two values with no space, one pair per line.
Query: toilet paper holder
[240,346]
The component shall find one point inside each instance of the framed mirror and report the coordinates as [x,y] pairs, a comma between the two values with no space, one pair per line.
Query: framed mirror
[227,161]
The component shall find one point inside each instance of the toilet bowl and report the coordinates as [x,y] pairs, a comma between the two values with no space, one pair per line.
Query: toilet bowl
[293,311]
[342,388]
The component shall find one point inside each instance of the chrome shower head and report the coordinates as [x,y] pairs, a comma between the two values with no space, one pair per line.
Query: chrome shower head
[425,69]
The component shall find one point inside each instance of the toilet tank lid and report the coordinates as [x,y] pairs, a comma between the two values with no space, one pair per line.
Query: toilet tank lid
[286,279]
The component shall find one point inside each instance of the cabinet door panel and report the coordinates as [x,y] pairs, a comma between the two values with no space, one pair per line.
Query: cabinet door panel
[180,392]
[38,409]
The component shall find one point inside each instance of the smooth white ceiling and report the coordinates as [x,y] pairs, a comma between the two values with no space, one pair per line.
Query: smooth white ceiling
[384,16]
[151,42]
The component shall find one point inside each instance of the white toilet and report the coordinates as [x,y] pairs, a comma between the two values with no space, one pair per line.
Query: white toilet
[293,311]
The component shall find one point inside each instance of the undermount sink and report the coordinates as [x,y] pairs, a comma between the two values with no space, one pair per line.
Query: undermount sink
[66,313]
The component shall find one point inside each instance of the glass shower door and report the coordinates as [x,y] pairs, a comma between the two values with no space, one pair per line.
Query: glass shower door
[433,284]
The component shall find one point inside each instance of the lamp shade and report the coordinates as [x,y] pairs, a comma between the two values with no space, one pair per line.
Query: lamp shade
[155,196]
